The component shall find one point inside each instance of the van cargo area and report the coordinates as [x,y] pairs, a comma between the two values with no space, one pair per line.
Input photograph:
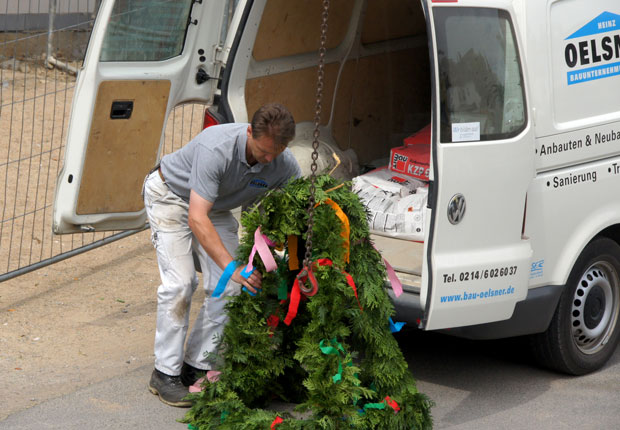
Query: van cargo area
[376,93]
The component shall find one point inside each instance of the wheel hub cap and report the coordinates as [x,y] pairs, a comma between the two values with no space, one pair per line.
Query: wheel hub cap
[594,308]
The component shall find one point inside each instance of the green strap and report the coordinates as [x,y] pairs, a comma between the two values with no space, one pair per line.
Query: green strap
[374,405]
[223,416]
[333,350]
[282,271]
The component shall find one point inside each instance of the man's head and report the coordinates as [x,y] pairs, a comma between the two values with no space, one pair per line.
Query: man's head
[271,130]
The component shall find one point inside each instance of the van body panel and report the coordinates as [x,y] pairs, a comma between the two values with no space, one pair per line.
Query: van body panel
[566,209]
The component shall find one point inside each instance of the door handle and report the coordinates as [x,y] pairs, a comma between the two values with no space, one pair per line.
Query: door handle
[121,109]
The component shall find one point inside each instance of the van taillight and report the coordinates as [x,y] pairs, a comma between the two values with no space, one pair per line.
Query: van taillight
[209,120]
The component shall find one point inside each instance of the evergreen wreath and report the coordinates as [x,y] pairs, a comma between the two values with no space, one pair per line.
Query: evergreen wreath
[337,359]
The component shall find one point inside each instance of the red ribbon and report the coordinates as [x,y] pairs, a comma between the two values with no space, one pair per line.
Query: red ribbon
[296,292]
[272,321]
[349,278]
[275,422]
[293,304]
[392,403]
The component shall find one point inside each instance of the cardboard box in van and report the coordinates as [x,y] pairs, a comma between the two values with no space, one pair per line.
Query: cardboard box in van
[412,160]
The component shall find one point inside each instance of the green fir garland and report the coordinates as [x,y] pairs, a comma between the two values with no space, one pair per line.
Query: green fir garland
[339,363]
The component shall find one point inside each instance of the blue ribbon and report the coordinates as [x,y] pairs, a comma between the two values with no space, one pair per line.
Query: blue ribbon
[221,284]
[228,272]
[246,275]
[395,327]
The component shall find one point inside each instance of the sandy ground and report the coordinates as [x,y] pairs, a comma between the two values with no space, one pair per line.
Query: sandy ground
[78,322]
[86,319]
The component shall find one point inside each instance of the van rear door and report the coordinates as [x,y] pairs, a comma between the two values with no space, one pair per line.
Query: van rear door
[477,260]
[144,58]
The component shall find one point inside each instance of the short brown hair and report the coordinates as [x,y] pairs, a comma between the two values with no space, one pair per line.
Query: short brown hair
[274,120]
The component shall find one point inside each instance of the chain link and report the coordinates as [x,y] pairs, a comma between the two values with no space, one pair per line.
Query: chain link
[315,140]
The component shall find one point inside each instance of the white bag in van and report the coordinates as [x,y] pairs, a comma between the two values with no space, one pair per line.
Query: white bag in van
[396,203]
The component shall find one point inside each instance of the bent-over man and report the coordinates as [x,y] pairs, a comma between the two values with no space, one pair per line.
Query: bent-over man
[188,201]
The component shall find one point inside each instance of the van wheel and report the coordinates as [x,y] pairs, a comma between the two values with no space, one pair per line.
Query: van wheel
[584,331]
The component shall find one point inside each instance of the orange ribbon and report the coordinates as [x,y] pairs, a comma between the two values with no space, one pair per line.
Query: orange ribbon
[293,261]
[346,230]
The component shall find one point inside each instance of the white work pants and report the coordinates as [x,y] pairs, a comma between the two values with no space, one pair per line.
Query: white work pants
[174,242]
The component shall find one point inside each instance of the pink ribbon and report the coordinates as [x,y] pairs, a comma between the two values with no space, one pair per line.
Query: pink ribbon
[397,287]
[262,244]
[211,376]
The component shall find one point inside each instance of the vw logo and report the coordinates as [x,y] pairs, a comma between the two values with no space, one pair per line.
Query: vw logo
[456,209]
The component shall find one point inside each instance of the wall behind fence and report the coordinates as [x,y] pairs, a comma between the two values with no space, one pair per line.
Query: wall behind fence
[37,81]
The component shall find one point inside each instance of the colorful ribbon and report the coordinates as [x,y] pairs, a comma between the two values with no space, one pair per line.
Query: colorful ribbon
[348,277]
[246,274]
[397,287]
[346,230]
[293,304]
[262,244]
[392,404]
[296,292]
[275,422]
[272,322]
[293,261]
[386,401]
[221,284]
[336,349]
[395,326]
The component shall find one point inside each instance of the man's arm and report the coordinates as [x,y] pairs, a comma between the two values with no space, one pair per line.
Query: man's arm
[201,225]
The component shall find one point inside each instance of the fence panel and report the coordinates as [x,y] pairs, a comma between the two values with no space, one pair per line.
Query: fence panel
[42,44]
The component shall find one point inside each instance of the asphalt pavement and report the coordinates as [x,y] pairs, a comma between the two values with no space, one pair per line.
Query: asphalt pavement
[475,385]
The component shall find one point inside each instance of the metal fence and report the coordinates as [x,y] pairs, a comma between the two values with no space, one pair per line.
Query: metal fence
[37,80]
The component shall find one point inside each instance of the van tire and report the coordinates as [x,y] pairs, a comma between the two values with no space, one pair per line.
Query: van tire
[585,327]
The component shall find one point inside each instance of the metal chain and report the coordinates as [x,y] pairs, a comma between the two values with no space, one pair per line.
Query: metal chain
[315,140]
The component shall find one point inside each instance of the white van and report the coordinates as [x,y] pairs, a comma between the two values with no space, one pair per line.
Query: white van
[523,218]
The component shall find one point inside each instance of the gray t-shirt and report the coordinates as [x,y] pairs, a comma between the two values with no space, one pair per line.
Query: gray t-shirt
[213,164]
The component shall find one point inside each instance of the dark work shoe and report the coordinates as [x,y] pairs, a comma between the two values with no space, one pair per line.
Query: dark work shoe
[190,374]
[170,389]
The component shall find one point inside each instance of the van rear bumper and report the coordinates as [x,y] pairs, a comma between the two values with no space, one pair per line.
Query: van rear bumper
[530,316]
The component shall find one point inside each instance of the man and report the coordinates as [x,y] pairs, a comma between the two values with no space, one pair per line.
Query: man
[188,202]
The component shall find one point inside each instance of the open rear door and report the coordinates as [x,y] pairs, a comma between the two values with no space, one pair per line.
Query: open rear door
[477,265]
[144,58]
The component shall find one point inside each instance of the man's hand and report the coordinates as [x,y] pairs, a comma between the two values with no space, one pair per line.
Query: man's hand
[252,283]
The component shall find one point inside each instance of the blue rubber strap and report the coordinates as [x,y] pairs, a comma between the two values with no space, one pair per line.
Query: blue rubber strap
[395,327]
[246,275]
[221,284]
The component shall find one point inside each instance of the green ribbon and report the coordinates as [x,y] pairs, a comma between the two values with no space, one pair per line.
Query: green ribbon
[336,349]
[223,416]
[282,272]
[374,405]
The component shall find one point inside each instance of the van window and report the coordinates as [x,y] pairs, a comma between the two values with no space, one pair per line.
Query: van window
[146,30]
[481,83]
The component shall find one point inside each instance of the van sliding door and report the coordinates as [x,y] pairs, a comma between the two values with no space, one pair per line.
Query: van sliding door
[477,265]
